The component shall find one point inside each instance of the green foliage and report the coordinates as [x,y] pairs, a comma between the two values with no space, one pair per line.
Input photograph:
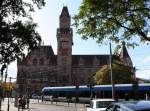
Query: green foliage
[121,74]
[117,20]
[17,30]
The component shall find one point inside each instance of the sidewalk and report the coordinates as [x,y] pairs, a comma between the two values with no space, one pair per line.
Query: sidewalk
[11,106]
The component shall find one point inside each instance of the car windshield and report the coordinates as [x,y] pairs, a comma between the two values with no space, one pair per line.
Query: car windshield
[102,104]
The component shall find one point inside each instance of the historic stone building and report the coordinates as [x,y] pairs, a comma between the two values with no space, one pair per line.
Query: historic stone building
[42,67]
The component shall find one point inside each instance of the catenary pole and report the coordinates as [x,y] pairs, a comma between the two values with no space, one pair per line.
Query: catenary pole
[111,73]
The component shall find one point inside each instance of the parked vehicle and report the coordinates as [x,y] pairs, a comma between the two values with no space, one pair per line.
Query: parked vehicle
[35,96]
[47,98]
[129,106]
[99,104]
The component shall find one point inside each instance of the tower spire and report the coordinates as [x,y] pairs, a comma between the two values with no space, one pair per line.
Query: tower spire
[64,47]
[64,18]
[64,12]
[124,56]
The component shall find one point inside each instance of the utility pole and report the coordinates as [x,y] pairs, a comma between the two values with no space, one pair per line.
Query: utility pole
[2,89]
[77,89]
[111,74]
[9,93]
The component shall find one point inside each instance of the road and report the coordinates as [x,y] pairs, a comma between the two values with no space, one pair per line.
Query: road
[57,107]
[46,106]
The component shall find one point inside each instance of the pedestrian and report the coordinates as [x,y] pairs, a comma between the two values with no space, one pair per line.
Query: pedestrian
[146,96]
[20,103]
[42,98]
[116,98]
[28,101]
[51,99]
[23,102]
[127,97]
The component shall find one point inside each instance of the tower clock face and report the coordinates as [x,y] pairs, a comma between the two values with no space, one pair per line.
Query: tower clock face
[64,44]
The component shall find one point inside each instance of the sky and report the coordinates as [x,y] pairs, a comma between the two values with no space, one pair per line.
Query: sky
[48,21]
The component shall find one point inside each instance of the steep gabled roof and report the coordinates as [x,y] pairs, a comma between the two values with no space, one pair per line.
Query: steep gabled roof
[124,56]
[124,52]
[46,50]
[65,12]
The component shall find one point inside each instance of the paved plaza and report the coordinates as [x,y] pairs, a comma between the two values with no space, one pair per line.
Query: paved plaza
[36,105]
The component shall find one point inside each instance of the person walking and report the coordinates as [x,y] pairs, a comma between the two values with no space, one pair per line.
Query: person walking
[20,104]
[28,101]
[42,97]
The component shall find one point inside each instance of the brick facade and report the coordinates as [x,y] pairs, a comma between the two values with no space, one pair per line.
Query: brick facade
[42,67]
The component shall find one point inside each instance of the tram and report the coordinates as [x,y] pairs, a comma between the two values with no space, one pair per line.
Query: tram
[98,91]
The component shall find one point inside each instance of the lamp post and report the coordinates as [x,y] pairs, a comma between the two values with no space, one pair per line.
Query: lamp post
[90,85]
[111,74]
[77,89]
[28,82]
[9,90]
[16,96]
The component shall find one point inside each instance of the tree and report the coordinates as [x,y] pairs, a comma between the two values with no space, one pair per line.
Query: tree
[8,86]
[17,29]
[117,20]
[121,74]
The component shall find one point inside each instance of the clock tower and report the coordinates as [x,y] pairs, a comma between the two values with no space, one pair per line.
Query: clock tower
[64,48]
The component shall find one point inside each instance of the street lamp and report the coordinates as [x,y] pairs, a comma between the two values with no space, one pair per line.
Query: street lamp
[16,96]
[76,83]
[9,92]
[90,85]
[28,82]
[111,74]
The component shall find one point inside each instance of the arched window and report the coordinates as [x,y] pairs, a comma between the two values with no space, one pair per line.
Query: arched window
[41,61]
[34,61]
[64,44]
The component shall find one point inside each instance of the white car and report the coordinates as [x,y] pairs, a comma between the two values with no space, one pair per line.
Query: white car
[35,96]
[99,104]
[48,98]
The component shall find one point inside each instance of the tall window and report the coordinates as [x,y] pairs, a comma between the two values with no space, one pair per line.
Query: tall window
[64,44]
[64,60]
[34,61]
[41,61]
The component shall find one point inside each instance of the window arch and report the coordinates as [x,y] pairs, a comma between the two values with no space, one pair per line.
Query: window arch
[35,61]
[41,62]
